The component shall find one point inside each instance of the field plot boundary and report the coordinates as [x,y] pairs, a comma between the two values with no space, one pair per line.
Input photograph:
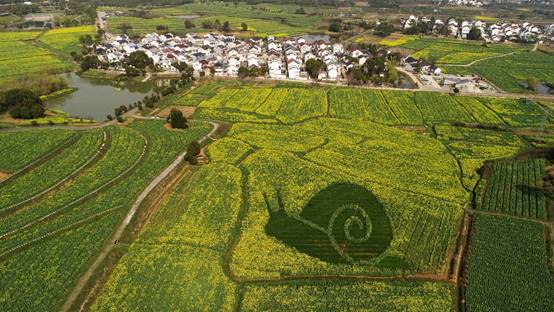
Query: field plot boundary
[85,197]
[53,233]
[43,158]
[95,157]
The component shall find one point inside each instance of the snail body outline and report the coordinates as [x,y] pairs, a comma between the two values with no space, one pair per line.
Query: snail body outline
[342,223]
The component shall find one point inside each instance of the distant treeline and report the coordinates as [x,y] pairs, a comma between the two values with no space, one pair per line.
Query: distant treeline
[301,2]
[134,3]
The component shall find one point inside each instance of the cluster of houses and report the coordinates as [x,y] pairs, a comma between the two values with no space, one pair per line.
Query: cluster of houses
[223,55]
[469,3]
[298,52]
[497,32]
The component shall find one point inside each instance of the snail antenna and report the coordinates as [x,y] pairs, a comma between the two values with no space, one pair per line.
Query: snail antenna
[270,202]
[280,199]
[267,204]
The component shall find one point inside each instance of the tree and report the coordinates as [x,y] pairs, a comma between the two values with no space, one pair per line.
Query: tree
[193,149]
[139,60]
[383,3]
[392,73]
[207,25]
[243,72]
[88,62]
[244,26]
[86,40]
[162,28]
[18,96]
[125,27]
[27,111]
[177,120]
[300,11]
[22,103]
[131,71]
[383,29]
[189,24]
[227,27]
[336,25]
[314,67]
[474,33]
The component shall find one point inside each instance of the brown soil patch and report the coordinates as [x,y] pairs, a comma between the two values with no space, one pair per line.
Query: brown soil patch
[3,175]
[187,111]
[168,127]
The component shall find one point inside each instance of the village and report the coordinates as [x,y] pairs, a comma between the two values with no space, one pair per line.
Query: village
[496,32]
[224,55]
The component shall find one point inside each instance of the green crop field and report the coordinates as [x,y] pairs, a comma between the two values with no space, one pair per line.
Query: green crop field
[336,296]
[19,56]
[507,268]
[516,188]
[505,65]
[67,39]
[288,104]
[18,150]
[26,53]
[262,21]
[75,220]
[308,198]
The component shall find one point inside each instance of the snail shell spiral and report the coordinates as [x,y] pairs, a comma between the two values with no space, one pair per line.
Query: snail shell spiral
[342,223]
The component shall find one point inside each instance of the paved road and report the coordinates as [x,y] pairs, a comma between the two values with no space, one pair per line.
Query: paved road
[123,225]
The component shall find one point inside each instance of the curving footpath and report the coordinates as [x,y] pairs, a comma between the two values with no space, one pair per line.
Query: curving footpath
[123,225]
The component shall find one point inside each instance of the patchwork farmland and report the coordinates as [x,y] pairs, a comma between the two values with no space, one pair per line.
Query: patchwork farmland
[311,198]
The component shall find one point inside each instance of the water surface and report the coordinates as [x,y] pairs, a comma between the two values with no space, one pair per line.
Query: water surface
[96,98]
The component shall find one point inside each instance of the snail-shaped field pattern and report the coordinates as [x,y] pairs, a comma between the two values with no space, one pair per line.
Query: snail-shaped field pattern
[342,223]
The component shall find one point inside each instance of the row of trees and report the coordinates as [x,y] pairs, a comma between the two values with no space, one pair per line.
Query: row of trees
[428,28]
[253,71]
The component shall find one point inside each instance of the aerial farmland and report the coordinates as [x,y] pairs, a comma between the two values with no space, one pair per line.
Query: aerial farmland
[276,156]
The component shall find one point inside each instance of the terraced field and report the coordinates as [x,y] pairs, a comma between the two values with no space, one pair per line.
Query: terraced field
[19,150]
[76,219]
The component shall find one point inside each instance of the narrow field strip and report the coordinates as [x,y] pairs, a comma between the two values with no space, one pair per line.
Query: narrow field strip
[84,221]
[41,160]
[23,150]
[92,144]
[32,218]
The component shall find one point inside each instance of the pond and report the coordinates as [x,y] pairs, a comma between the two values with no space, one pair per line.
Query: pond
[96,98]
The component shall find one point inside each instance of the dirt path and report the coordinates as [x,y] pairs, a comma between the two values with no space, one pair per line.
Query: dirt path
[480,60]
[147,77]
[123,225]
